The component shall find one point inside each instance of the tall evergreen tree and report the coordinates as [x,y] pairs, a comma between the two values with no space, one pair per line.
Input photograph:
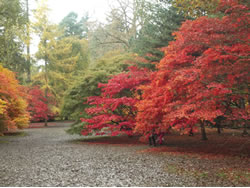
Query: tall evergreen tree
[64,56]
[73,27]
[157,31]
[76,32]
[27,41]
[47,33]
[12,21]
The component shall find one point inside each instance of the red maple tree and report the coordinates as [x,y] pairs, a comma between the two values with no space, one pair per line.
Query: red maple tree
[203,75]
[114,111]
[38,105]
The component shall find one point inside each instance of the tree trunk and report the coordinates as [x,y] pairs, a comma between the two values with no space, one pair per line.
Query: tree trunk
[218,121]
[203,131]
[46,97]
[243,106]
[28,42]
[191,133]
[45,122]
[46,80]
[245,133]
[218,128]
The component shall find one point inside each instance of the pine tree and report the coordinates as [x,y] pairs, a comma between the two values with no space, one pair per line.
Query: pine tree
[157,31]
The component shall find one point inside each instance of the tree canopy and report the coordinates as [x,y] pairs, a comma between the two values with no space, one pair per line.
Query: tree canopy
[202,76]
[13,105]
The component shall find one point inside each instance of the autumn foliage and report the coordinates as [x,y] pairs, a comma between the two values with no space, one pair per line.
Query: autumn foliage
[114,111]
[13,105]
[39,105]
[203,75]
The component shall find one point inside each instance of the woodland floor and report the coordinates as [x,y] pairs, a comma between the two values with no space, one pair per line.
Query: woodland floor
[50,157]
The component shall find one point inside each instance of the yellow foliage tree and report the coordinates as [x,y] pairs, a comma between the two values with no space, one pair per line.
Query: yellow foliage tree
[63,57]
[13,103]
[196,8]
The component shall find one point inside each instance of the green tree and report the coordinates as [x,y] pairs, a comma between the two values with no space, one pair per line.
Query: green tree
[27,42]
[86,84]
[72,27]
[77,32]
[63,67]
[63,56]
[196,8]
[12,21]
[162,21]
[47,33]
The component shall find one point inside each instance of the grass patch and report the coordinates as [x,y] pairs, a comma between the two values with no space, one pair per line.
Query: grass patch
[238,175]
[91,139]
[202,174]
[51,124]
[221,175]
[172,169]
[14,134]
[109,140]
[3,142]
[7,135]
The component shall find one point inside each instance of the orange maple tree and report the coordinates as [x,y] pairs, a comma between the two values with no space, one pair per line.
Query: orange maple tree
[204,74]
[13,105]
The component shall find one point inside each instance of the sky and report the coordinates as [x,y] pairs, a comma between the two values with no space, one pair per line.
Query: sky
[61,8]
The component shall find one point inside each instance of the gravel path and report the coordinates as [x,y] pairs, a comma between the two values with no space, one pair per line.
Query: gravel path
[50,157]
